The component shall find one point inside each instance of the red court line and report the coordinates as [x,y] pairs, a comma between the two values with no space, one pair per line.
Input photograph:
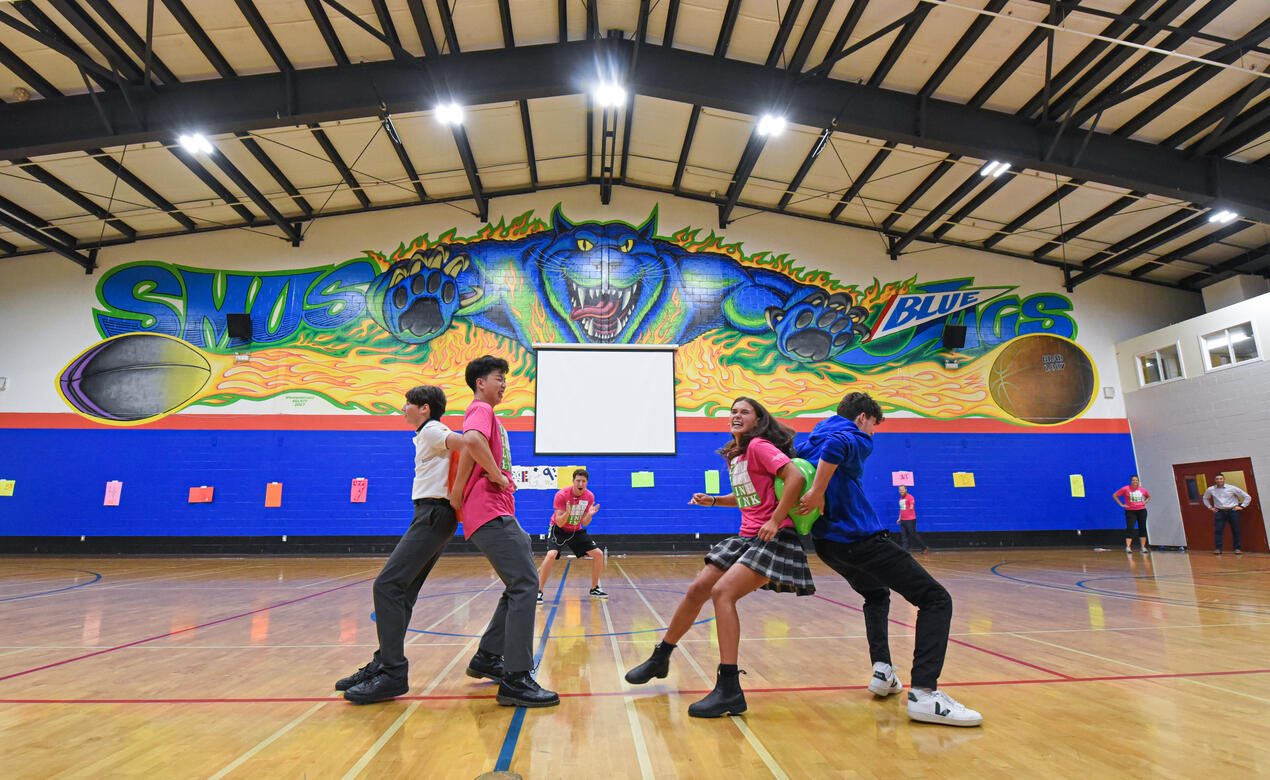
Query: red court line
[179,631]
[651,691]
[954,641]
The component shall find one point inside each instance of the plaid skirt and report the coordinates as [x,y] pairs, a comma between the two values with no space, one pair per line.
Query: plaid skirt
[782,560]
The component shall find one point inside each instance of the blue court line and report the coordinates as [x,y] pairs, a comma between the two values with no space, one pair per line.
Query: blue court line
[518,717]
[95,578]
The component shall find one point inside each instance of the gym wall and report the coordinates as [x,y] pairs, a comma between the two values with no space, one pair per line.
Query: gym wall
[130,374]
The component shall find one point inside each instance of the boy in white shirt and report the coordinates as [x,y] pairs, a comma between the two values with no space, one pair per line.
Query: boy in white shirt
[397,586]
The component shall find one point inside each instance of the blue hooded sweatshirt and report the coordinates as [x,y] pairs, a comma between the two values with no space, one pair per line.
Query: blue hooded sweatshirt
[848,516]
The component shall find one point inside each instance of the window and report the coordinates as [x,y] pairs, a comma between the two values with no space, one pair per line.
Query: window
[1160,365]
[1229,346]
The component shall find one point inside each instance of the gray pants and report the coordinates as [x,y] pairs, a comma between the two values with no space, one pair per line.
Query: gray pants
[511,631]
[397,586]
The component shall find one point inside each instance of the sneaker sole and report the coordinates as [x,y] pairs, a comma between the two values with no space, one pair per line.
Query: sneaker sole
[373,699]
[942,721]
[508,701]
[888,691]
[740,711]
[599,597]
[478,675]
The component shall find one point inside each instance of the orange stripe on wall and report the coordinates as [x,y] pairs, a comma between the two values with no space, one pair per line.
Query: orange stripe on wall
[372,422]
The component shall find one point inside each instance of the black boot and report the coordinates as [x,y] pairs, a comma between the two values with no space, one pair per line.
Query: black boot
[658,665]
[486,665]
[727,697]
[381,687]
[518,689]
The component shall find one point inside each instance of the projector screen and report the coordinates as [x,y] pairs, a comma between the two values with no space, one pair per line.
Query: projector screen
[605,401]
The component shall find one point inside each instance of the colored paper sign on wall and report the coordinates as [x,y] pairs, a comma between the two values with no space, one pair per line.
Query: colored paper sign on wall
[564,477]
[901,478]
[6,487]
[964,479]
[201,494]
[641,479]
[535,477]
[1078,485]
[113,490]
[712,481]
[273,495]
[357,495]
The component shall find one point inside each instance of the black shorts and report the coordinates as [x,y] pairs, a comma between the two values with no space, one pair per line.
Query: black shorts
[1135,518]
[579,541]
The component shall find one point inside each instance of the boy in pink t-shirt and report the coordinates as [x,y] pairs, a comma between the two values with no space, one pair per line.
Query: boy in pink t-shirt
[1135,500]
[506,651]
[574,508]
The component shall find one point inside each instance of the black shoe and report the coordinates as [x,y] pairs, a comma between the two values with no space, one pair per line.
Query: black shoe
[381,687]
[727,698]
[486,665]
[360,676]
[658,665]
[518,689]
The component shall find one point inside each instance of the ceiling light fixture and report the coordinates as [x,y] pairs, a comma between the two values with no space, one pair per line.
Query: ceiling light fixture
[994,169]
[450,113]
[195,143]
[1223,217]
[771,124]
[609,95]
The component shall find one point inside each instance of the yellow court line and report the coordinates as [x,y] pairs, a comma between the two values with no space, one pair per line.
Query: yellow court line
[266,742]
[763,754]
[637,733]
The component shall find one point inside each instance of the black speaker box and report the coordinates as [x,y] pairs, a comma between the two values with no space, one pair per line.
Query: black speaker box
[954,336]
[239,326]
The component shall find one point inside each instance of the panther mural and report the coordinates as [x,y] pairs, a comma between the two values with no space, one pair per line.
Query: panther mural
[606,283]
[358,333]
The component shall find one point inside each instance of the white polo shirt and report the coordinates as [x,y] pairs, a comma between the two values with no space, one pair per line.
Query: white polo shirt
[432,461]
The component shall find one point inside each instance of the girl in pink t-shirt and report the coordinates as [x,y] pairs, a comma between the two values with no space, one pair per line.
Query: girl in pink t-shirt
[767,548]
[1135,503]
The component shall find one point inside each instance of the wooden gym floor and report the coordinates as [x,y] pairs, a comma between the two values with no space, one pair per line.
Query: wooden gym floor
[1084,664]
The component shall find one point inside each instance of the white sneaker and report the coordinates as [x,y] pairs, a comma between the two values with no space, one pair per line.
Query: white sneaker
[939,707]
[884,682]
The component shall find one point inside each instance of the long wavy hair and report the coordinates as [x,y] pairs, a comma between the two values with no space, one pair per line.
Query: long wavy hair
[766,427]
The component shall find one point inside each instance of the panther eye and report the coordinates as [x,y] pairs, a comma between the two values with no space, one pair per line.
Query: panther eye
[628,245]
[584,245]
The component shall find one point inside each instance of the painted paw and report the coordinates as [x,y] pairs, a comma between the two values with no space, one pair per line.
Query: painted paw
[817,326]
[421,293]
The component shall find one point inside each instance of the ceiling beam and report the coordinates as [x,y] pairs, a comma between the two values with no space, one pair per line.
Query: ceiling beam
[87,26]
[261,28]
[321,94]
[329,150]
[1194,222]
[27,74]
[811,31]
[782,33]
[289,229]
[37,222]
[965,188]
[942,167]
[87,262]
[473,177]
[858,183]
[76,197]
[403,157]
[812,154]
[749,157]
[133,41]
[323,23]
[969,207]
[423,28]
[1230,265]
[211,182]
[201,40]
[1088,223]
[145,190]
[46,33]
[273,170]
[1034,211]
[1183,252]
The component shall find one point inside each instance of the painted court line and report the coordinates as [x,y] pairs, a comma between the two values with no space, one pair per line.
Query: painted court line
[954,641]
[764,755]
[266,742]
[174,633]
[96,577]
[448,615]
[664,691]
[632,717]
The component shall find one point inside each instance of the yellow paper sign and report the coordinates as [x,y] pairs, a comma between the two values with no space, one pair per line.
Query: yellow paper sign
[1078,485]
[6,487]
[963,479]
[564,476]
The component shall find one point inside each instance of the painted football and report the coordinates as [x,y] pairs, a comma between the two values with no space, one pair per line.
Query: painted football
[134,377]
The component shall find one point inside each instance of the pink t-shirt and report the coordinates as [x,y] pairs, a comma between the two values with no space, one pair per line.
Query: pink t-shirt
[1134,498]
[482,501]
[753,478]
[907,510]
[575,508]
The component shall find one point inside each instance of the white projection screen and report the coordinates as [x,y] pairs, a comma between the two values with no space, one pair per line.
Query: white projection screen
[605,400]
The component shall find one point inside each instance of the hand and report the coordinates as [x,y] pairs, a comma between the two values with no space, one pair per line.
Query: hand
[767,531]
[594,508]
[812,500]
[498,478]
[699,499]
[456,498]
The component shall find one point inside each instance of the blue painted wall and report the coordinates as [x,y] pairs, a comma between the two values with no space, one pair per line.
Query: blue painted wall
[1021,482]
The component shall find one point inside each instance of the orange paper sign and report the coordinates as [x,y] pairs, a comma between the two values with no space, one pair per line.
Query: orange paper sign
[201,495]
[273,494]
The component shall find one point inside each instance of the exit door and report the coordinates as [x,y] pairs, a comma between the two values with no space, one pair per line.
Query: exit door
[1193,479]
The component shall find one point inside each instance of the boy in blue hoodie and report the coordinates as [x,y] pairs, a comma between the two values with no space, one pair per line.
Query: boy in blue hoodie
[853,541]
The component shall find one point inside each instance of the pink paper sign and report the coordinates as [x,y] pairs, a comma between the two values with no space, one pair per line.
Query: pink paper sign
[113,489]
[902,478]
[358,493]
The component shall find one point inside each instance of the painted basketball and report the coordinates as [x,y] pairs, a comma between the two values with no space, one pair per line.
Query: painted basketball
[134,377]
[1042,379]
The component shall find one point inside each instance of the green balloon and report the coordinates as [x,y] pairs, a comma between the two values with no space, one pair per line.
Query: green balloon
[802,522]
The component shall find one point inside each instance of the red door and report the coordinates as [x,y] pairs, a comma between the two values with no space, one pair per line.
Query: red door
[1194,478]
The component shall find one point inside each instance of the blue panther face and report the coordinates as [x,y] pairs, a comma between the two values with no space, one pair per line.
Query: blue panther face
[604,277]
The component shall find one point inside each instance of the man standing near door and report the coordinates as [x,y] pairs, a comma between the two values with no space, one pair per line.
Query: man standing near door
[1225,501]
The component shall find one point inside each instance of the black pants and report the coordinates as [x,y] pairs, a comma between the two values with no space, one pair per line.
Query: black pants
[909,537]
[397,586]
[510,632]
[1221,517]
[1134,517]
[874,567]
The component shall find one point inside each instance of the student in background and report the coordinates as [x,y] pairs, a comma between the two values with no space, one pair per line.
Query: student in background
[908,521]
[1134,499]
[574,508]
[1225,501]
